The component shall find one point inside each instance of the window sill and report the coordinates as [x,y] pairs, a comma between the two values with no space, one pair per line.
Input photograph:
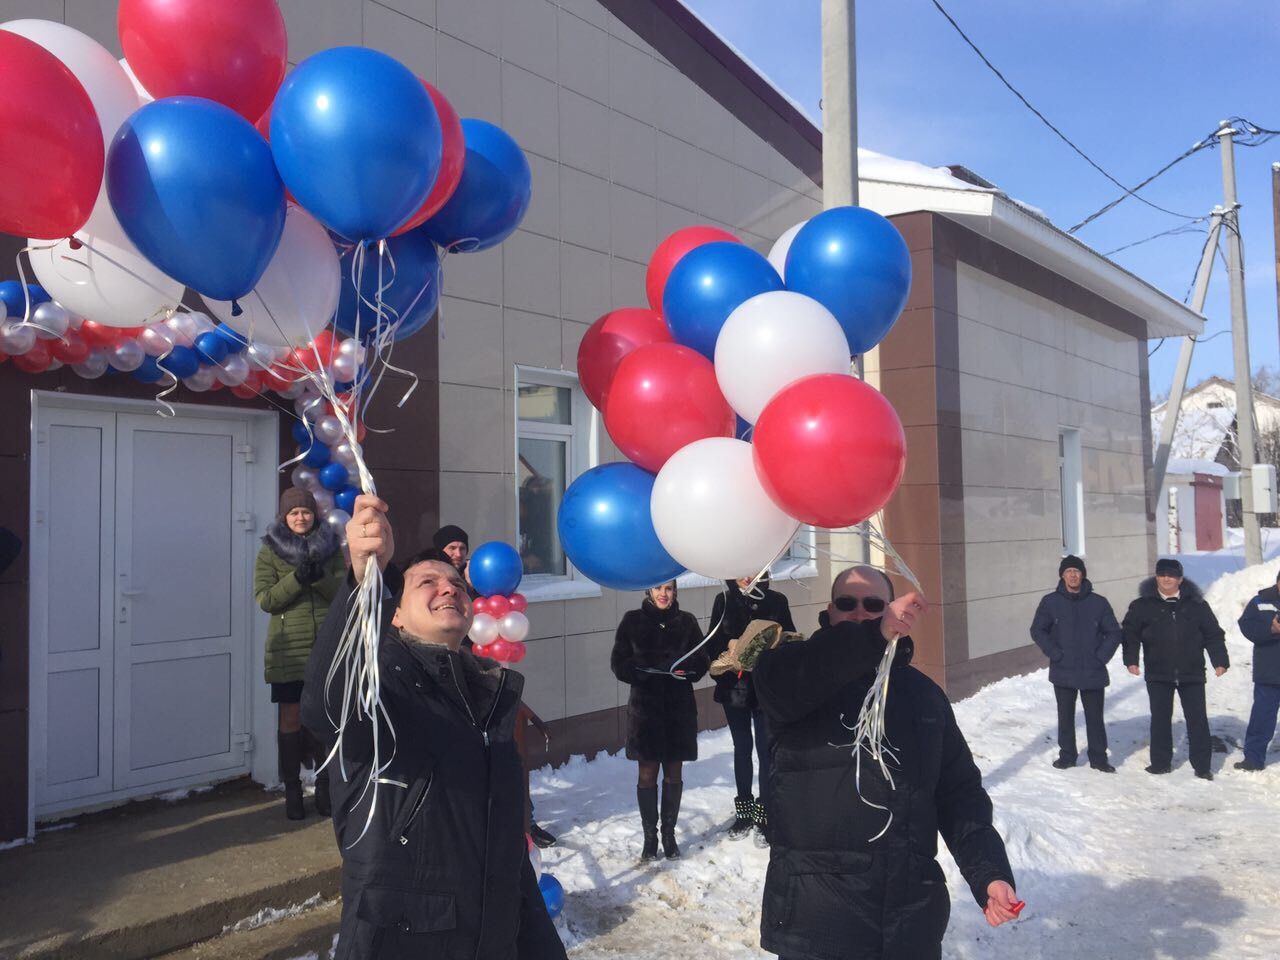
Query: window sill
[559,589]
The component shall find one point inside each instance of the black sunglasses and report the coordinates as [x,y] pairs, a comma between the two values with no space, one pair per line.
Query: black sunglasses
[850,604]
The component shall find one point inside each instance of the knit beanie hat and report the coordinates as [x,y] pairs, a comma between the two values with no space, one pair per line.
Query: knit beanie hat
[296,497]
[1168,567]
[449,533]
[1071,562]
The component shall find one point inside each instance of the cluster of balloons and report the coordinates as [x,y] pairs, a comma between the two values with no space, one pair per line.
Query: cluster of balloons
[499,626]
[196,163]
[735,345]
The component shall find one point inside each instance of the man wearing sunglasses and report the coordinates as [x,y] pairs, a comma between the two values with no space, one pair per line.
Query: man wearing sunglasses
[852,868]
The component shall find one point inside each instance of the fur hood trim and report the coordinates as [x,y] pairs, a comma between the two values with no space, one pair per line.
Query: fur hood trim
[319,545]
[1188,591]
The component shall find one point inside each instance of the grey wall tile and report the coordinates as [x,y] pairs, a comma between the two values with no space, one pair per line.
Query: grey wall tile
[632,153]
[584,133]
[529,36]
[584,62]
[530,112]
[470,78]
[410,41]
[584,209]
[531,274]
[585,283]
[478,22]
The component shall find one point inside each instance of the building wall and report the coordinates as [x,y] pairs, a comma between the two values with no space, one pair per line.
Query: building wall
[993,354]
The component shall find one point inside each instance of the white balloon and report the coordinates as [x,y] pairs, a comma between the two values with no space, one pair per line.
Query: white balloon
[142,92]
[92,366]
[304,476]
[54,364]
[328,430]
[337,519]
[514,626]
[309,408]
[346,454]
[50,320]
[293,391]
[156,339]
[298,294]
[774,339]
[16,338]
[126,355]
[234,370]
[182,329]
[712,515]
[4,313]
[324,499]
[778,252]
[353,348]
[260,355]
[484,629]
[344,368]
[202,323]
[201,380]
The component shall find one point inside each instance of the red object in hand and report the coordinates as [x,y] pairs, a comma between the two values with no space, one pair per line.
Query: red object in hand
[1017,907]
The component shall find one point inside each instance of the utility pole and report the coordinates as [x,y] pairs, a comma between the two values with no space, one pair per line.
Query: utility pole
[1240,344]
[1173,406]
[839,106]
[1275,220]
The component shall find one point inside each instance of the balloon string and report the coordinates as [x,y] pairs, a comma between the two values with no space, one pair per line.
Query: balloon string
[169,310]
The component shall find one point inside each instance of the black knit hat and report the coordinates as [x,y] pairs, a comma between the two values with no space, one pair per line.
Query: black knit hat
[449,533]
[1071,562]
[1168,567]
[296,497]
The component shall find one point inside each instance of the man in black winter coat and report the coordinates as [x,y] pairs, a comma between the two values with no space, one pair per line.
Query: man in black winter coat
[441,869]
[1079,634]
[836,889]
[1174,627]
[1260,624]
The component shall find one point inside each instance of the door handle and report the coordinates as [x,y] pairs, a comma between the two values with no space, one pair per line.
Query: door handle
[132,593]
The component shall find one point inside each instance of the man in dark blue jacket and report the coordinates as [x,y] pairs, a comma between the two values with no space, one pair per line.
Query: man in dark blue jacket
[1079,634]
[1260,624]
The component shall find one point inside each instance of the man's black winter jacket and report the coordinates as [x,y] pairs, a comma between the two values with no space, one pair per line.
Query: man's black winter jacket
[1173,634]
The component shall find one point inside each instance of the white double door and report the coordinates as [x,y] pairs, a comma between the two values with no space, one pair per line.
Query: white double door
[141,621]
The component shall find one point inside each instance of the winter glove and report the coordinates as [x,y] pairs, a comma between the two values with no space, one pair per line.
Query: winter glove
[309,572]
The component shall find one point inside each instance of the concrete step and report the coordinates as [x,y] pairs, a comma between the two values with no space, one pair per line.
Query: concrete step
[149,878]
[307,934]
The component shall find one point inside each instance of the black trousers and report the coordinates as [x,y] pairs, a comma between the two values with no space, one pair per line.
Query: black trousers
[1095,729]
[742,720]
[1193,712]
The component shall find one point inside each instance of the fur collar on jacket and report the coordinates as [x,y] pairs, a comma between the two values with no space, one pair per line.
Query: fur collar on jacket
[657,614]
[319,545]
[480,676]
[1187,591]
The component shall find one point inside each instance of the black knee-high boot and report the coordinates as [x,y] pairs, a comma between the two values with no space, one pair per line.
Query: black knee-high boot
[289,752]
[670,814]
[647,797]
[316,753]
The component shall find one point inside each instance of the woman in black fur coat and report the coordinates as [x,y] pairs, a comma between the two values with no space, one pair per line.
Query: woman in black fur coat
[662,715]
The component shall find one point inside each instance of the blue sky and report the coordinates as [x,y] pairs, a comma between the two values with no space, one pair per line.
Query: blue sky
[1133,83]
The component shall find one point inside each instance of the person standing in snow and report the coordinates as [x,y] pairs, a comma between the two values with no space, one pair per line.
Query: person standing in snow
[442,869]
[1174,627]
[298,571]
[732,610]
[662,714]
[1260,624]
[852,869]
[1079,634]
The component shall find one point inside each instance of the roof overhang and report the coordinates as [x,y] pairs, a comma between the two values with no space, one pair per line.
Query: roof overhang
[994,215]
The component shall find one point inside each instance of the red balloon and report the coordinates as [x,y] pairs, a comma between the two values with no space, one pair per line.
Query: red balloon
[3,356]
[829,450]
[99,335]
[51,164]
[231,51]
[663,397]
[481,650]
[670,251]
[610,339]
[319,353]
[278,379]
[245,391]
[517,652]
[519,603]
[500,650]
[455,151]
[35,360]
[480,605]
[498,607]
[71,349]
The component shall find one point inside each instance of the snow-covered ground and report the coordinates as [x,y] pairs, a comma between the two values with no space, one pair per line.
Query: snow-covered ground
[1126,866]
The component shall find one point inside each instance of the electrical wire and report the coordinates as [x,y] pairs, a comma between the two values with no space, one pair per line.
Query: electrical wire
[1067,140]
[1181,228]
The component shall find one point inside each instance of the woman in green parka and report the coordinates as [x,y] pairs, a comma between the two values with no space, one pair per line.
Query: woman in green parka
[299,569]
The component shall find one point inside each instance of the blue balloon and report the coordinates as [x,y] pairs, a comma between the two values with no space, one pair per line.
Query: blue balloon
[742,428]
[856,264]
[709,283]
[38,294]
[315,454]
[193,184]
[301,435]
[211,348]
[493,195]
[412,289]
[495,569]
[15,302]
[552,894]
[180,361]
[235,341]
[345,499]
[607,530]
[150,370]
[334,477]
[357,140]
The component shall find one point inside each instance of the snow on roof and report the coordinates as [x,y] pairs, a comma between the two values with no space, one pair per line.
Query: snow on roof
[878,166]
[1200,432]
[1182,467]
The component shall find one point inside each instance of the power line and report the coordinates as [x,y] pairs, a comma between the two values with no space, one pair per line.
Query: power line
[1062,136]
[1181,228]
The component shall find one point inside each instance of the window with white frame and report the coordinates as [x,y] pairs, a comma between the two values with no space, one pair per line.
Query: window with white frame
[801,557]
[1070,483]
[552,448]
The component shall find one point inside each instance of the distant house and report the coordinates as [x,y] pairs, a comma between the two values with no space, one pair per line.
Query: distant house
[1207,425]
